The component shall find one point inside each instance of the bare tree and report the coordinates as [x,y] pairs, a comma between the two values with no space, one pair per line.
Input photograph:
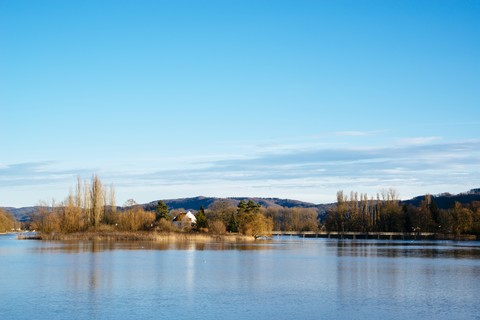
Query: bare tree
[111,214]
[87,204]
[97,201]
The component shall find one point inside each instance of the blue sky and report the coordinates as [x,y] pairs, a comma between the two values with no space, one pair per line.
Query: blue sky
[291,99]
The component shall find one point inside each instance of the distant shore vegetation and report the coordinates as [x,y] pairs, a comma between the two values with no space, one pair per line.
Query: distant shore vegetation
[385,213]
[90,209]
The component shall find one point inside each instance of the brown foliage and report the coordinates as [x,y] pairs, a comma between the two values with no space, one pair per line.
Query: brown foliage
[255,224]
[71,216]
[80,211]
[221,210]
[7,221]
[293,219]
[217,227]
[47,219]
[135,219]
[164,226]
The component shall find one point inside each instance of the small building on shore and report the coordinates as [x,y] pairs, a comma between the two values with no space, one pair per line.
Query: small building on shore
[184,219]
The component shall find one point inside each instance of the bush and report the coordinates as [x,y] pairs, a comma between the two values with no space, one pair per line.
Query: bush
[217,227]
[135,219]
[165,226]
[102,228]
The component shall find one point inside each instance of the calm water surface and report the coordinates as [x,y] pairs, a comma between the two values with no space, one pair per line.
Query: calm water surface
[287,278]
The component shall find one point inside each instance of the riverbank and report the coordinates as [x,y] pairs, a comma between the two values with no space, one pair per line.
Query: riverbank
[379,235]
[138,236]
[208,237]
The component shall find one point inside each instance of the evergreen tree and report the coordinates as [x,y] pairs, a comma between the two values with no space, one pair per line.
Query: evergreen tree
[435,212]
[242,207]
[248,207]
[232,223]
[201,219]
[161,212]
[252,207]
[246,216]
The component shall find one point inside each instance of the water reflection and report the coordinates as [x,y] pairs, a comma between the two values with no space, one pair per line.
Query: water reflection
[101,246]
[189,267]
[342,248]
[412,249]
[282,279]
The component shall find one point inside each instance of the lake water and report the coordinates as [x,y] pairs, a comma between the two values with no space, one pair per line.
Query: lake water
[287,278]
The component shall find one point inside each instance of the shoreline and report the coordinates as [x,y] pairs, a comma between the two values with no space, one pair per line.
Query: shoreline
[138,236]
[231,238]
[380,235]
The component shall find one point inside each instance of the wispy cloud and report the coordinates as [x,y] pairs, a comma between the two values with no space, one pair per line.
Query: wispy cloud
[455,163]
[419,140]
[355,133]
[35,173]
[292,172]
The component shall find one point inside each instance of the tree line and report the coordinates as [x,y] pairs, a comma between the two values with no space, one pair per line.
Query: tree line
[91,206]
[246,218]
[280,218]
[385,213]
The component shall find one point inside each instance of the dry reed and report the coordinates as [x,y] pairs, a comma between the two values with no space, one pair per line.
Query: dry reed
[142,236]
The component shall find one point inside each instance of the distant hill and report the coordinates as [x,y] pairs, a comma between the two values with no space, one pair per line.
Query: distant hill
[197,202]
[447,200]
[443,201]
[23,214]
[183,203]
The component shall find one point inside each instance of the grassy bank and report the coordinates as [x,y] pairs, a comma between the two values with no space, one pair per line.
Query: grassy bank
[140,236]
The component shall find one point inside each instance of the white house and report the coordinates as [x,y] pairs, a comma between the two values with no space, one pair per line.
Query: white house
[184,219]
